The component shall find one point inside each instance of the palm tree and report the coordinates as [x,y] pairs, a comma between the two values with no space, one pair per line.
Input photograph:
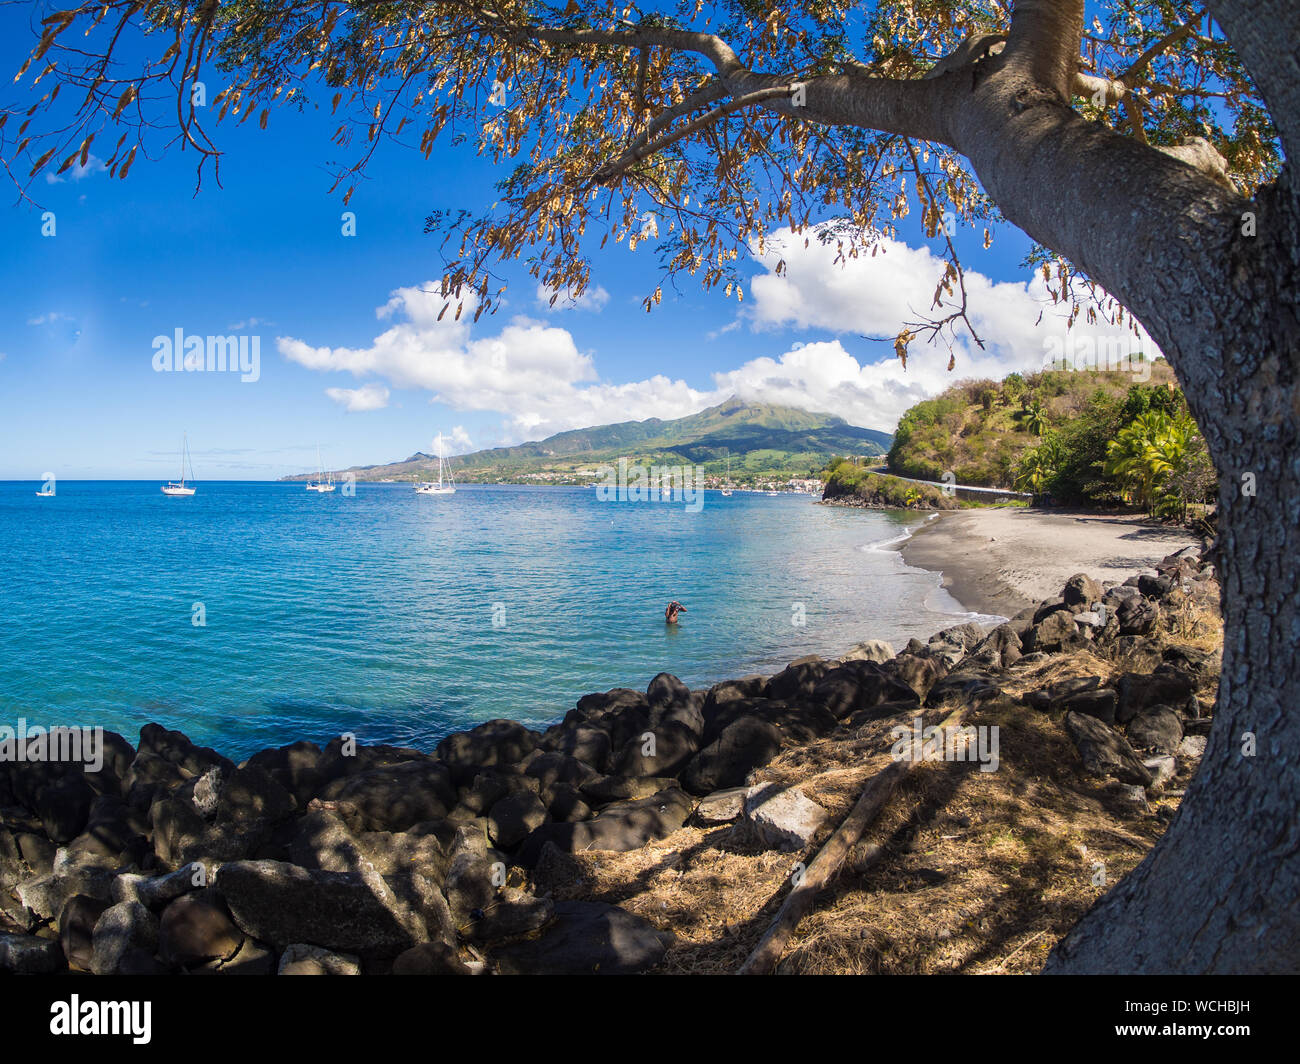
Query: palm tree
[1033,416]
[1039,466]
[1149,456]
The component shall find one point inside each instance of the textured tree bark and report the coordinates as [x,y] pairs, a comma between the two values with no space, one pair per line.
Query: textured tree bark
[1220,892]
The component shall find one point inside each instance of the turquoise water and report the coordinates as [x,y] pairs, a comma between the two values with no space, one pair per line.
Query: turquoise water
[401,617]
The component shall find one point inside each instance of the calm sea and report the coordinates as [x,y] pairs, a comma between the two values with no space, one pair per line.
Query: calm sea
[401,617]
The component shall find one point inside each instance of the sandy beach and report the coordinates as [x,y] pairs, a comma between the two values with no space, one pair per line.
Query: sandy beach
[1002,560]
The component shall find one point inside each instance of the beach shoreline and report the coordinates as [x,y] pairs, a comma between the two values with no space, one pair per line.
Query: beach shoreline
[999,560]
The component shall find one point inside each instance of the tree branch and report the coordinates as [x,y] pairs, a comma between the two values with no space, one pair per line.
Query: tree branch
[1044,42]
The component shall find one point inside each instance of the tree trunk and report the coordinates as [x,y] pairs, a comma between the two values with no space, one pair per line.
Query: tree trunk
[1220,892]
[1213,277]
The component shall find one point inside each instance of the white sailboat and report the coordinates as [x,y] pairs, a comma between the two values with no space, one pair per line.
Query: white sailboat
[180,487]
[445,485]
[324,481]
[726,488]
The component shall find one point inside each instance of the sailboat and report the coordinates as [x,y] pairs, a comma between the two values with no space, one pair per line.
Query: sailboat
[180,488]
[445,485]
[726,488]
[324,481]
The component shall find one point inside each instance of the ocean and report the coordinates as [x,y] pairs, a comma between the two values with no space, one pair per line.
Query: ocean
[256,614]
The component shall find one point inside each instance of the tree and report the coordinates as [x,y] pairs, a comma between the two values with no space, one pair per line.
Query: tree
[1034,416]
[1038,468]
[1141,152]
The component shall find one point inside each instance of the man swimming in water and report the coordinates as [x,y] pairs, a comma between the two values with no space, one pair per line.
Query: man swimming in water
[674,608]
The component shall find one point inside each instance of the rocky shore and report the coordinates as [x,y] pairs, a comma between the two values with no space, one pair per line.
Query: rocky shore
[469,858]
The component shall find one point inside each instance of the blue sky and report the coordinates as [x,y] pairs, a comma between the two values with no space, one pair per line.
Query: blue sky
[264,256]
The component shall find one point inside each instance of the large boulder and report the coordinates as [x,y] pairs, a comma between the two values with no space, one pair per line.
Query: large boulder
[281,904]
[1054,695]
[1099,703]
[919,671]
[115,834]
[197,928]
[856,686]
[876,650]
[77,930]
[46,894]
[587,938]
[1156,728]
[64,806]
[742,746]
[513,817]
[797,680]
[583,742]
[431,958]
[30,955]
[1081,591]
[1136,616]
[1166,686]
[483,907]
[606,789]
[1057,631]
[493,743]
[780,818]
[298,768]
[732,690]
[619,827]
[1105,751]
[1000,649]
[661,751]
[393,798]
[666,689]
[250,793]
[721,807]
[153,891]
[175,747]
[125,938]
[552,768]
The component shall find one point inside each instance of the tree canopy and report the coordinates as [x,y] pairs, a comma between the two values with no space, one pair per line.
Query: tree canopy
[699,128]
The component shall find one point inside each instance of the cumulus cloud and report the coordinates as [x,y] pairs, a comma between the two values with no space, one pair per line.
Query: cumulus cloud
[356,400]
[458,442]
[593,298]
[873,296]
[533,373]
[530,371]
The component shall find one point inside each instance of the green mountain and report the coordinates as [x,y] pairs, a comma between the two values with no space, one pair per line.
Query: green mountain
[762,440]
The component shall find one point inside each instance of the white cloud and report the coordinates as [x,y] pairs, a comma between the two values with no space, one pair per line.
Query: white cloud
[530,371]
[534,374]
[459,441]
[94,165]
[873,296]
[46,319]
[367,397]
[593,298]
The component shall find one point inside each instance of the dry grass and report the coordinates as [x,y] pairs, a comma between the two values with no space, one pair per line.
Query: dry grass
[964,872]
